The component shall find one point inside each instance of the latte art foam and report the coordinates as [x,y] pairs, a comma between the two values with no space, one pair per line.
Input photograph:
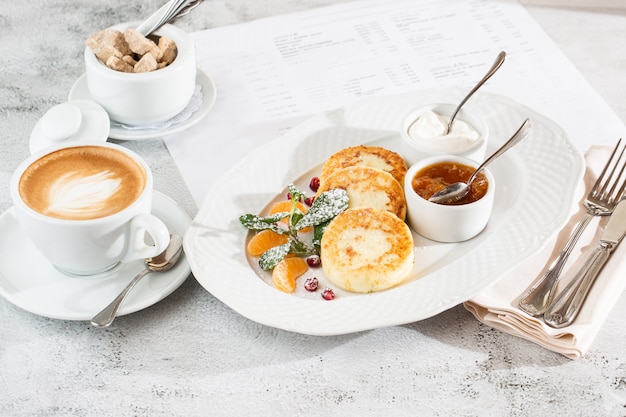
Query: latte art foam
[76,195]
[82,183]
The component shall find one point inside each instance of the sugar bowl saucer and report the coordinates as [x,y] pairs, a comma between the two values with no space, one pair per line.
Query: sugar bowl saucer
[206,91]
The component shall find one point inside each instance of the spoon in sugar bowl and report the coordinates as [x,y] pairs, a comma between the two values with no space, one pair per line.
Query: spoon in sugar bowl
[458,190]
[171,10]
[160,263]
[497,64]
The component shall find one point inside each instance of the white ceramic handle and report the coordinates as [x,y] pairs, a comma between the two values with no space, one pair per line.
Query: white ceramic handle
[141,225]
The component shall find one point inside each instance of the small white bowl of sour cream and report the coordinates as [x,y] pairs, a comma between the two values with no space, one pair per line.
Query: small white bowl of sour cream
[423,133]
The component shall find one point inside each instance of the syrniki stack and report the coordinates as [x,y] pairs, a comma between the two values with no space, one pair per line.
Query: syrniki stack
[371,156]
[367,249]
[368,187]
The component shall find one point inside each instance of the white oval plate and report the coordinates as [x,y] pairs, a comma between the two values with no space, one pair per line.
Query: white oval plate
[527,212]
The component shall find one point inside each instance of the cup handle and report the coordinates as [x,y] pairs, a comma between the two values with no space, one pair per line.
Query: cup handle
[137,246]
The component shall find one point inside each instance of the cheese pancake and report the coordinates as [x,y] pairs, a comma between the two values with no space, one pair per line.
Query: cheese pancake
[368,187]
[372,156]
[367,249]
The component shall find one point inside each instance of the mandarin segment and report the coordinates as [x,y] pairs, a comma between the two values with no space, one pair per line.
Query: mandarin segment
[263,241]
[286,271]
[285,207]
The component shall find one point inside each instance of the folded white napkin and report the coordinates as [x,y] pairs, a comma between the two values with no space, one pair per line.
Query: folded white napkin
[497,305]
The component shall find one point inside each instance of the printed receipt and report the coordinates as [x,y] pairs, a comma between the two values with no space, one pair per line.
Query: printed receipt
[273,73]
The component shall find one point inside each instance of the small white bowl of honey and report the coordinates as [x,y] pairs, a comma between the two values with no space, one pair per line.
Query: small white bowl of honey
[455,222]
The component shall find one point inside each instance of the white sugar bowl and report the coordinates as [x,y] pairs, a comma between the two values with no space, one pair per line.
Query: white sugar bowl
[148,97]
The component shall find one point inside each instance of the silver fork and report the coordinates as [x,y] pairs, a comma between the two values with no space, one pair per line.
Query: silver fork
[601,200]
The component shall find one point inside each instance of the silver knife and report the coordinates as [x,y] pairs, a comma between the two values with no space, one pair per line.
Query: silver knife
[566,306]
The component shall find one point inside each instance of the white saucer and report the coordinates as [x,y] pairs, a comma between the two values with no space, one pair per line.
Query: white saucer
[79,91]
[30,282]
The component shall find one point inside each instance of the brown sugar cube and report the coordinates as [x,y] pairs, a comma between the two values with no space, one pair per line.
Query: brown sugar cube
[138,43]
[94,40]
[116,39]
[168,47]
[117,64]
[104,52]
[147,63]
[129,60]
[107,43]
[108,38]
[157,53]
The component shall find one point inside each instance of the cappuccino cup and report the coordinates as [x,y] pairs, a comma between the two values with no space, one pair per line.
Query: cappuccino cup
[87,207]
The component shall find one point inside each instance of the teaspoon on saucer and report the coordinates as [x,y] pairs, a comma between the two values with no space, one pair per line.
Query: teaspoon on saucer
[162,262]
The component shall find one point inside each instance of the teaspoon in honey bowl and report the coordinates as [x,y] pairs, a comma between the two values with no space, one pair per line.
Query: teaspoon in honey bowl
[160,263]
[458,190]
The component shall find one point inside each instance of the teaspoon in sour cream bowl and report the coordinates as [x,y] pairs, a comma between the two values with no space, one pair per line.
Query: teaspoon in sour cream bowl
[496,65]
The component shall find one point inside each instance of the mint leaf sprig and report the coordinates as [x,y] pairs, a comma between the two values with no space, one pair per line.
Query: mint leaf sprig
[325,207]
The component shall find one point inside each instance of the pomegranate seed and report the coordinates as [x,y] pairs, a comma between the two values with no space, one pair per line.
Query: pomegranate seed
[309,201]
[315,183]
[314,261]
[311,284]
[328,294]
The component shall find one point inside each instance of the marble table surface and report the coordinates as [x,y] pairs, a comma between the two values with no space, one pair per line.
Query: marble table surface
[192,355]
